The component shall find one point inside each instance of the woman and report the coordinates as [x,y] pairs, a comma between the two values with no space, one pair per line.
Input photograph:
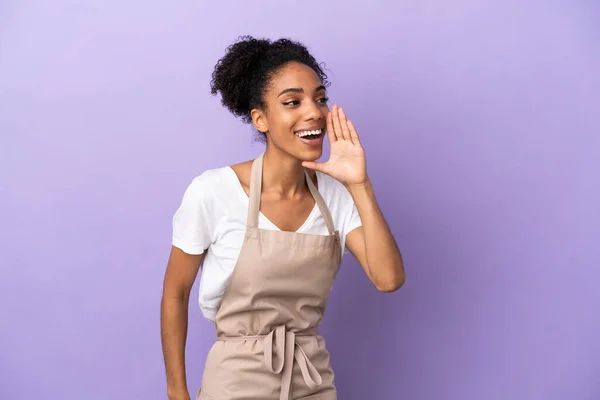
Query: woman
[266,274]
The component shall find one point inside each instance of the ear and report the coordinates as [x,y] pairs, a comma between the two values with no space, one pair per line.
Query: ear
[259,120]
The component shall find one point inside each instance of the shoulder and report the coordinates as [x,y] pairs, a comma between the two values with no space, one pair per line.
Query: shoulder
[335,194]
[243,171]
[330,187]
[211,183]
[211,176]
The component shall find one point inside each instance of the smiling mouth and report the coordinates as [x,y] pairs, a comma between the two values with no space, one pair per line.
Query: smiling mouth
[310,135]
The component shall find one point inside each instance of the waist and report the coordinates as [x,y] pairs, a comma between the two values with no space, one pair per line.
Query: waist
[305,332]
[280,350]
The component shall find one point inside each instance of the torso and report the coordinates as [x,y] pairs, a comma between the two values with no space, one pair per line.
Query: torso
[212,217]
[268,344]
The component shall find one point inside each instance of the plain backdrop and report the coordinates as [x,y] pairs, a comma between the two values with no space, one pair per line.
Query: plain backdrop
[481,124]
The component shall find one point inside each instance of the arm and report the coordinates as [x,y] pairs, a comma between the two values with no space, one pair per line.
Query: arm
[180,274]
[372,244]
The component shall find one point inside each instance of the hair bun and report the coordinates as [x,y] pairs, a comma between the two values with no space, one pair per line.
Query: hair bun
[242,75]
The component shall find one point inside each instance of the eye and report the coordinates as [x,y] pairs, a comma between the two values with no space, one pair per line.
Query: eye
[323,100]
[291,103]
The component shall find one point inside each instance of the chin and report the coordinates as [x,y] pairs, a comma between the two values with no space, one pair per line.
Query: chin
[310,154]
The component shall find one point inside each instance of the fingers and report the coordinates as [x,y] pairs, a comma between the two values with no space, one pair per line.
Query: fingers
[330,130]
[337,127]
[344,124]
[353,133]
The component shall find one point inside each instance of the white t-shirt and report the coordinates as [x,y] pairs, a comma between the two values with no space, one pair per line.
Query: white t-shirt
[212,217]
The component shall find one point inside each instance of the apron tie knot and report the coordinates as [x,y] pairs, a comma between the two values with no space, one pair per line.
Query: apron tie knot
[288,350]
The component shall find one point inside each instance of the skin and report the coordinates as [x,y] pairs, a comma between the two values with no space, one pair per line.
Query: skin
[287,202]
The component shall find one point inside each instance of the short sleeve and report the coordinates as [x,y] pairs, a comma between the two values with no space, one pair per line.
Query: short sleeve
[352,221]
[192,223]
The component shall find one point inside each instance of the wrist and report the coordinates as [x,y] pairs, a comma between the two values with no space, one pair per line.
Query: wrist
[360,188]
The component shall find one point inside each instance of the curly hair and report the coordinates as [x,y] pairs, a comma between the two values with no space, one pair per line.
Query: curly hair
[242,76]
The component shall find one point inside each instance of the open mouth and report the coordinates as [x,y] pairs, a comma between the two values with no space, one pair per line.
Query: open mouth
[311,137]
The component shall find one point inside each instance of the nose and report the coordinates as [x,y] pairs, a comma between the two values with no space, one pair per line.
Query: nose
[313,111]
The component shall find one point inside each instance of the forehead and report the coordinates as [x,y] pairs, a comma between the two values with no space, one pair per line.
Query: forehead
[295,75]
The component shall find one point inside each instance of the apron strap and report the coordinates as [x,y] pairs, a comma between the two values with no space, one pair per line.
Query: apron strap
[256,189]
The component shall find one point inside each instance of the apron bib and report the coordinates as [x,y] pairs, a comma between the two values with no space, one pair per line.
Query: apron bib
[268,346]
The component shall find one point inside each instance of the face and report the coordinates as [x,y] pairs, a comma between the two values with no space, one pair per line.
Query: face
[294,119]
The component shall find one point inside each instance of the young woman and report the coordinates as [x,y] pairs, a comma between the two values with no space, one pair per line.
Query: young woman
[270,234]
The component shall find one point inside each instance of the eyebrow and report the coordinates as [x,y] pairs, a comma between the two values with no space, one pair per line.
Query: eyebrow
[299,90]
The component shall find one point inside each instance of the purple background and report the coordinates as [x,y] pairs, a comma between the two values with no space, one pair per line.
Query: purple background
[481,124]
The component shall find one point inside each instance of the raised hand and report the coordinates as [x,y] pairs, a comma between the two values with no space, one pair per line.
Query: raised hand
[347,162]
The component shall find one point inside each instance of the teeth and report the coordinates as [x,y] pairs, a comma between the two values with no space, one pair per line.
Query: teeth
[307,133]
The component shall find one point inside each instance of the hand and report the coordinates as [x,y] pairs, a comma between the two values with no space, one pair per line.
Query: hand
[347,162]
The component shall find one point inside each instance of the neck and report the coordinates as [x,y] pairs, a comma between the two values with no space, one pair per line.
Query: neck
[283,174]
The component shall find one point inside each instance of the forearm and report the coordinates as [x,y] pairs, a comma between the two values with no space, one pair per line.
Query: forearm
[384,261]
[174,322]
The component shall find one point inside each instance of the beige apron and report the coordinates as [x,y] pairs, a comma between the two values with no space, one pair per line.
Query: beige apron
[268,347]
